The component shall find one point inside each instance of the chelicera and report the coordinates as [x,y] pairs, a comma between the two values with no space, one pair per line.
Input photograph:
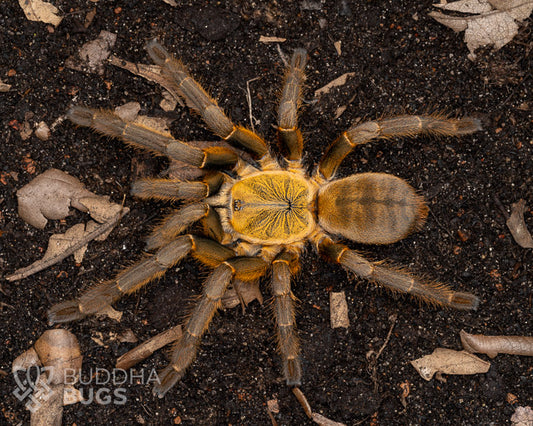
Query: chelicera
[259,214]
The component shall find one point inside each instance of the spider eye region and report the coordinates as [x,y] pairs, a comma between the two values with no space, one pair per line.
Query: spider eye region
[272,207]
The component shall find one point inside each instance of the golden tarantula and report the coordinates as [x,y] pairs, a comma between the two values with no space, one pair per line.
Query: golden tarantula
[258,214]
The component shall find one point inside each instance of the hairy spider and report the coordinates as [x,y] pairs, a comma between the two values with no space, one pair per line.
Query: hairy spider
[258,214]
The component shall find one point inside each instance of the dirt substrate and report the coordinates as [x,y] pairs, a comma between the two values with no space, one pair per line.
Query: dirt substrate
[402,61]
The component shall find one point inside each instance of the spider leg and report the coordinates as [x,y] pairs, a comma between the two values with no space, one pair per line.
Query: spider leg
[284,312]
[289,134]
[199,101]
[175,189]
[403,125]
[110,124]
[138,275]
[398,280]
[184,351]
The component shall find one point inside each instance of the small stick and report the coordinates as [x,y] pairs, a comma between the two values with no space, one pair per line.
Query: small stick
[493,345]
[42,264]
[145,349]
[249,100]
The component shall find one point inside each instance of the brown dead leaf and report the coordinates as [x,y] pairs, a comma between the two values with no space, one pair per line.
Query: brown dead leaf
[522,416]
[38,10]
[241,293]
[448,361]
[492,22]
[517,225]
[50,196]
[4,87]
[93,54]
[339,81]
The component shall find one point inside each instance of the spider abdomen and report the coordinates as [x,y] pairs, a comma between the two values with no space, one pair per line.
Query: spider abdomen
[272,207]
[371,208]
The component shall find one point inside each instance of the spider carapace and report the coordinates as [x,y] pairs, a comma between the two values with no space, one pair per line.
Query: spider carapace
[258,214]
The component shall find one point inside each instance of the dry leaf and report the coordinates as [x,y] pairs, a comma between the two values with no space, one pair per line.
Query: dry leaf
[241,293]
[338,310]
[50,196]
[129,111]
[517,225]
[522,416]
[339,81]
[448,361]
[37,10]
[93,54]
[4,87]
[59,352]
[42,131]
[494,345]
[492,22]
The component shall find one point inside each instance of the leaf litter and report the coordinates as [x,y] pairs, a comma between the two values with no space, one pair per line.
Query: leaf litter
[50,196]
[488,23]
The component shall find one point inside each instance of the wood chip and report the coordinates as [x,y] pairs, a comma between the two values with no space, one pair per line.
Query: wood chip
[338,310]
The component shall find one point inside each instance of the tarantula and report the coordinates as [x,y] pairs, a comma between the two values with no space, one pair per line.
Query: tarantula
[258,214]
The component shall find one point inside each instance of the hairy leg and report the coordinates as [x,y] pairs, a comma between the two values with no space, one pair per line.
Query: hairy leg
[403,125]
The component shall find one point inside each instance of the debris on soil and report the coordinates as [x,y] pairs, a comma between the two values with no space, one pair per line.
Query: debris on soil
[316,417]
[50,196]
[42,131]
[448,361]
[267,39]
[517,225]
[339,81]
[492,22]
[242,293]
[494,345]
[338,310]
[522,416]
[92,55]
[58,351]
[38,10]
[147,348]
[4,87]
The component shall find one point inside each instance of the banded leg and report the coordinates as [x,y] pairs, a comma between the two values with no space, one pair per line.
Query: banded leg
[175,189]
[398,280]
[136,276]
[184,351]
[289,134]
[403,125]
[110,124]
[284,312]
[199,101]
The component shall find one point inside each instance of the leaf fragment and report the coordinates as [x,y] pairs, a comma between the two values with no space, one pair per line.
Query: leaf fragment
[448,361]
[339,81]
[41,11]
[92,55]
[491,22]
[517,225]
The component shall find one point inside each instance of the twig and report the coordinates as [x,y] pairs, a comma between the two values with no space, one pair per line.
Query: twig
[42,264]
[249,100]
[145,349]
[149,72]
[374,358]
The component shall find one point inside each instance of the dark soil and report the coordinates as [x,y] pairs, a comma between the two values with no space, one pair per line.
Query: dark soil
[403,61]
